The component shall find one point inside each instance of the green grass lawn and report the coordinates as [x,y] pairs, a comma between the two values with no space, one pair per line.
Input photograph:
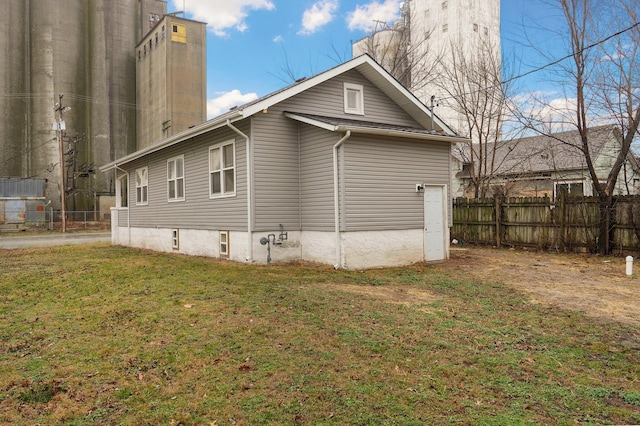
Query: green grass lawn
[97,334]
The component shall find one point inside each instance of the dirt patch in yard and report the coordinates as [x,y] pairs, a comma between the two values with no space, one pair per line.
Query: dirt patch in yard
[595,285]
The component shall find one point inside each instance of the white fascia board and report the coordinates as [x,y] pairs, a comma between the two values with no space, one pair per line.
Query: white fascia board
[401,134]
[374,131]
[305,85]
[411,99]
[311,121]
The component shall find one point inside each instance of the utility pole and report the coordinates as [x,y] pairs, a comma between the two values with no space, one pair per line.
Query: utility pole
[60,127]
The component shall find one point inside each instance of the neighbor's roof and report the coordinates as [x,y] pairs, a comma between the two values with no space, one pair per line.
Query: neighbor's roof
[364,64]
[545,153]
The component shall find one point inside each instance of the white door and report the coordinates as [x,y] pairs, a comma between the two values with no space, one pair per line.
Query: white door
[435,235]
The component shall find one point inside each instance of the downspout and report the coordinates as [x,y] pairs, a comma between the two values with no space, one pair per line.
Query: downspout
[128,206]
[336,198]
[249,257]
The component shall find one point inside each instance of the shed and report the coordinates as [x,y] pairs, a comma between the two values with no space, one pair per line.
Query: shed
[21,201]
[346,168]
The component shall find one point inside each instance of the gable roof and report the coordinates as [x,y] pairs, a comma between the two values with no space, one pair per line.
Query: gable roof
[545,153]
[364,64]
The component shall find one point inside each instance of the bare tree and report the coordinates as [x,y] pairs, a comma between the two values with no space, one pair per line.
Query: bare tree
[409,60]
[476,92]
[601,74]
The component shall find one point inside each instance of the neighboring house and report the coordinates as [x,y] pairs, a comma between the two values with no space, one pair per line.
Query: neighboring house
[338,168]
[542,166]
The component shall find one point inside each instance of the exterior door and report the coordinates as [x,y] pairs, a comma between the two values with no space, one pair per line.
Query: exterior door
[435,223]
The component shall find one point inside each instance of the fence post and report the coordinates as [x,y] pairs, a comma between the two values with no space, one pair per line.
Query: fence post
[498,210]
[563,223]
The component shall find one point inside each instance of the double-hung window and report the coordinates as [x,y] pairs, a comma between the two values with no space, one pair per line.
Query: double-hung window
[353,99]
[142,186]
[175,179]
[222,170]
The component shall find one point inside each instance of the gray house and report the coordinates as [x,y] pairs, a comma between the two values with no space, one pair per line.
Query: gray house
[346,168]
[546,165]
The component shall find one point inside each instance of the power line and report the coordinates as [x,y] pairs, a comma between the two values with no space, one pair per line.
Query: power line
[81,98]
[564,58]
[550,64]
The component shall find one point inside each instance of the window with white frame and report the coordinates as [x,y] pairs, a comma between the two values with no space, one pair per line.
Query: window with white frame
[222,170]
[122,191]
[175,179]
[175,239]
[142,186]
[224,243]
[569,189]
[353,99]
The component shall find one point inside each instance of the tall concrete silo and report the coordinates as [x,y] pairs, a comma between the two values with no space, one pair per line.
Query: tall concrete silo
[85,50]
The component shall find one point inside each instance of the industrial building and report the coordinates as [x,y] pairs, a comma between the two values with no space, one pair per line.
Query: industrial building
[419,46]
[86,51]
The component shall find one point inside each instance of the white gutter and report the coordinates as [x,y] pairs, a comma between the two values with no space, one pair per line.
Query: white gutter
[249,191]
[115,166]
[336,198]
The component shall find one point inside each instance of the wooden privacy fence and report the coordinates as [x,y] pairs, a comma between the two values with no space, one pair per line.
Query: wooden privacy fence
[566,224]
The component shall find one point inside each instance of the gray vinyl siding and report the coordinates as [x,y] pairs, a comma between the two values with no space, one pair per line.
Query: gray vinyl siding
[379,181]
[276,172]
[279,195]
[316,179]
[198,211]
[328,99]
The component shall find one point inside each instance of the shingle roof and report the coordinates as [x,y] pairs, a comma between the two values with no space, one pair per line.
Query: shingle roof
[539,154]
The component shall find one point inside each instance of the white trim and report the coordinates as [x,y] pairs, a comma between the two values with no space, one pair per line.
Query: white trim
[144,202]
[184,184]
[226,252]
[119,180]
[569,183]
[175,239]
[223,194]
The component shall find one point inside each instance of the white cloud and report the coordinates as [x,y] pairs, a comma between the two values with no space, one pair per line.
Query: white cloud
[363,17]
[319,15]
[226,100]
[278,39]
[223,14]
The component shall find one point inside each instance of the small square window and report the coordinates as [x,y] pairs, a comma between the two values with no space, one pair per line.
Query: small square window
[445,28]
[475,28]
[353,99]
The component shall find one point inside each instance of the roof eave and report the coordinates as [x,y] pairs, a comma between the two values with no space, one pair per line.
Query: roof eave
[192,132]
[400,133]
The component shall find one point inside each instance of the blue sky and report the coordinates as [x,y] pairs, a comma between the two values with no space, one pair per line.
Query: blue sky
[255,47]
